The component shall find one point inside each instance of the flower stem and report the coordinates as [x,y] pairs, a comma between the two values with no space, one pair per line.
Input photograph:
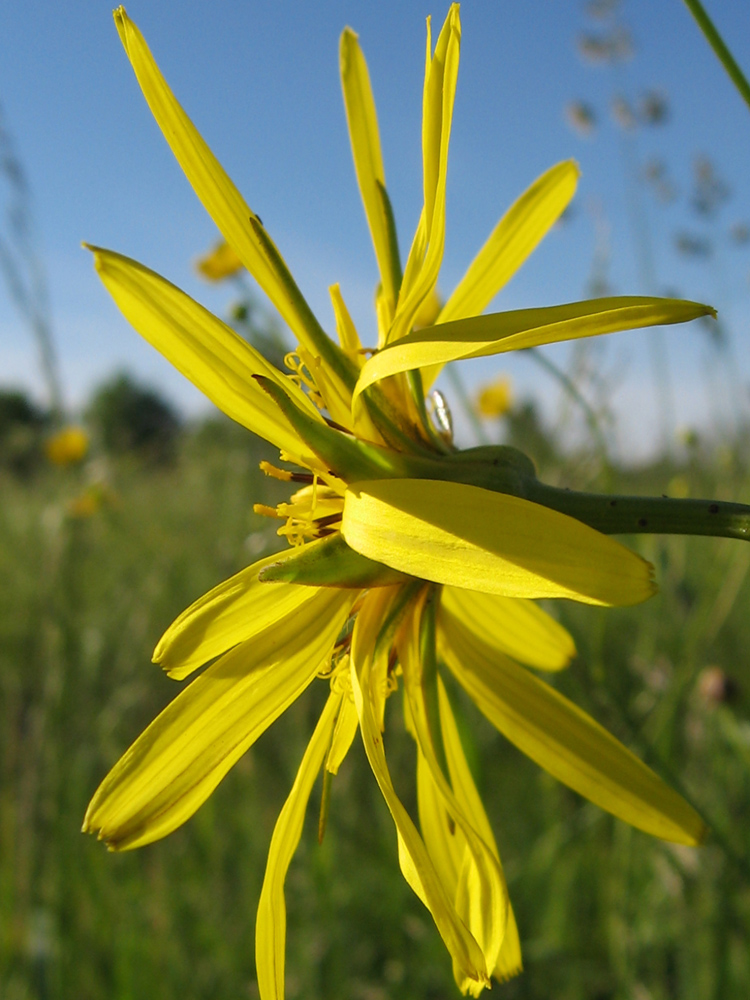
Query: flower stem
[717,43]
[627,515]
[569,386]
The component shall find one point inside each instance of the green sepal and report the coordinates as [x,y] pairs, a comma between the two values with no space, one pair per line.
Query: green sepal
[390,220]
[329,351]
[329,562]
[499,468]
[346,456]
[395,615]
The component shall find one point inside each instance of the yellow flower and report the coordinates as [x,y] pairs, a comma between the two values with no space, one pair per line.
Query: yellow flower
[406,557]
[219,263]
[494,399]
[67,446]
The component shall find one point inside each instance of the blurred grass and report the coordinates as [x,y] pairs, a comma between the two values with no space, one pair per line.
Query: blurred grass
[605,912]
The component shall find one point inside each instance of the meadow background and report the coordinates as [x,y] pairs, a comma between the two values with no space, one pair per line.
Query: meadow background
[97,556]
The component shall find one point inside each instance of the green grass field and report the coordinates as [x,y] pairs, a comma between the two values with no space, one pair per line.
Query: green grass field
[605,912]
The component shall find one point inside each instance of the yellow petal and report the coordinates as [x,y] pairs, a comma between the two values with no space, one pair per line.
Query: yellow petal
[215,359]
[368,163]
[240,227]
[236,610]
[497,333]
[444,840]
[477,539]
[481,896]
[519,629]
[509,962]
[173,767]
[347,724]
[270,925]
[415,862]
[566,741]
[513,239]
[426,254]
[351,345]
[509,959]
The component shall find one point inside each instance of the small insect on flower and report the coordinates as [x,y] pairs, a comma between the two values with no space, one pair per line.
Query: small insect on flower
[407,558]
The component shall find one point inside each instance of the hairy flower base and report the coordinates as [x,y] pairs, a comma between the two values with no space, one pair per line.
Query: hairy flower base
[408,559]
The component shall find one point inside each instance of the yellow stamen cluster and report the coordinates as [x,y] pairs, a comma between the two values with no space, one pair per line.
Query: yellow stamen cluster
[312,512]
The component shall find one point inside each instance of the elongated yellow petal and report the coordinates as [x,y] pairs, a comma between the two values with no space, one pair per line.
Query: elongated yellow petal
[215,359]
[347,724]
[351,345]
[270,926]
[497,333]
[240,227]
[492,542]
[415,862]
[368,163]
[444,840]
[519,629]
[481,897]
[236,610]
[426,254]
[173,767]
[509,959]
[564,740]
[509,962]
[513,239]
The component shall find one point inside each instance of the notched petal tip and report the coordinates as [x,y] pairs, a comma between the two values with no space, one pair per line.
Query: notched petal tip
[122,23]
[348,37]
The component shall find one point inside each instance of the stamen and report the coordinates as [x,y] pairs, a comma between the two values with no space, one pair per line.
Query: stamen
[266,511]
[300,364]
[328,520]
[270,470]
[286,475]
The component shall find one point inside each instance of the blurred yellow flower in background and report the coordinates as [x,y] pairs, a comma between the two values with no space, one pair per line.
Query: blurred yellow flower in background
[406,555]
[495,398]
[67,446]
[219,263]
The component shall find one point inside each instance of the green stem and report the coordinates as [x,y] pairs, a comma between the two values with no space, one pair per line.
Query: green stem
[717,43]
[626,515]
[572,390]
[460,390]
[654,757]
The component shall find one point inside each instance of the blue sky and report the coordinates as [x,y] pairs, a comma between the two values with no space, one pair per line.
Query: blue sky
[261,82]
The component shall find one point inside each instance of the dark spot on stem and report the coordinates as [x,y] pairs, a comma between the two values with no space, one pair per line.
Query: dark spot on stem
[642,522]
[612,503]
[713,508]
